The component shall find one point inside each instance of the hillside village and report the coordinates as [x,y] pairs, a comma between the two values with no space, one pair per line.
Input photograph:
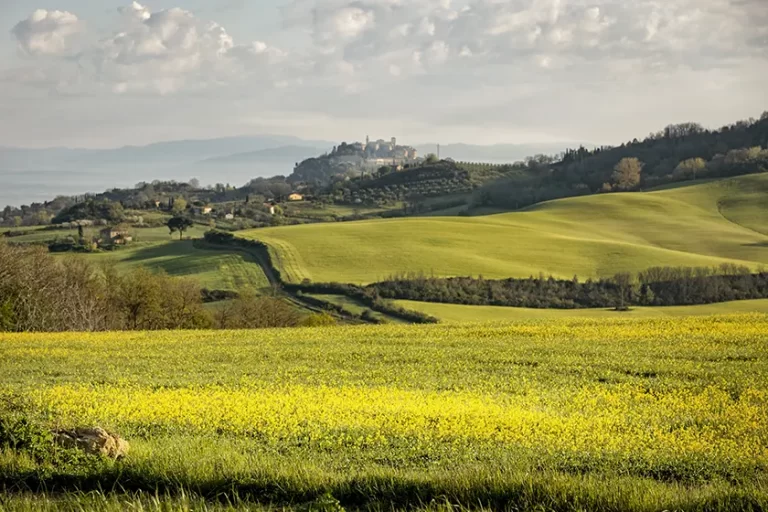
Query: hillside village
[356,159]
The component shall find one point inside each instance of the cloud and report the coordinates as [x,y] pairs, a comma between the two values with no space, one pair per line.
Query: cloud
[47,32]
[505,32]
[350,22]
[458,65]
[356,43]
[148,52]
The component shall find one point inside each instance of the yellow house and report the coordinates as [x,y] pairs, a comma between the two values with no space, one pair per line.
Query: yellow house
[295,197]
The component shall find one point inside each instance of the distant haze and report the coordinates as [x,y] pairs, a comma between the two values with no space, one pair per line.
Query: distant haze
[39,175]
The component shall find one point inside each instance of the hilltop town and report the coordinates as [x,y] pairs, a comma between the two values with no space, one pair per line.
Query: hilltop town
[355,159]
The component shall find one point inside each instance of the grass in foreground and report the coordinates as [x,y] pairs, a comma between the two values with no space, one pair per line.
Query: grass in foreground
[567,415]
[599,235]
[457,313]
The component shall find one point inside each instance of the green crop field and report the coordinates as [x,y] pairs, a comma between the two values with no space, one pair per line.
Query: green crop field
[456,313]
[698,225]
[214,269]
[568,415]
[156,249]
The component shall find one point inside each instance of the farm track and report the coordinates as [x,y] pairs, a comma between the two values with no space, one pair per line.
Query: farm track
[276,283]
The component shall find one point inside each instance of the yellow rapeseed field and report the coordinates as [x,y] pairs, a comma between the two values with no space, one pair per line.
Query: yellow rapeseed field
[669,400]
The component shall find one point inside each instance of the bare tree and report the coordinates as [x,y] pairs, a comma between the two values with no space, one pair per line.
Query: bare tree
[690,167]
[627,174]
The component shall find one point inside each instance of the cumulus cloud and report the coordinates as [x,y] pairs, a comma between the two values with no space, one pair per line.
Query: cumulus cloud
[396,39]
[165,50]
[474,49]
[563,30]
[149,51]
[47,32]
[451,61]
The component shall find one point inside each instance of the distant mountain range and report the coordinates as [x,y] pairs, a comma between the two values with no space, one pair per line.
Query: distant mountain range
[161,153]
[36,175]
[297,153]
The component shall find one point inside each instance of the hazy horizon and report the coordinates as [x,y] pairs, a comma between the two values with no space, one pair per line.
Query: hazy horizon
[39,175]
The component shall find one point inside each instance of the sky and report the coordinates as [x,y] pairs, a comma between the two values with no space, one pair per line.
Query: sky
[106,73]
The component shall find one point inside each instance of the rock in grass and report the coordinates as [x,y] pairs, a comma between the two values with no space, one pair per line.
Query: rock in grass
[94,441]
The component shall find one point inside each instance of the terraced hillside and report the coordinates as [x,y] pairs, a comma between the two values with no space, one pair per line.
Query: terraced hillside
[706,224]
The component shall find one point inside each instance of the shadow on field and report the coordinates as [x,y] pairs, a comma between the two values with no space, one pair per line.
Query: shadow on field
[174,257]
[387,490]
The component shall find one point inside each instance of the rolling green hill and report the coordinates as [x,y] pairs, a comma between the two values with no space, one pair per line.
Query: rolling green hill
[707,224]
[213,269]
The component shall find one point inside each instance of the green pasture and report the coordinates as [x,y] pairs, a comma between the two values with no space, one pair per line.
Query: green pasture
[212,268]
[457,313]
[592,236]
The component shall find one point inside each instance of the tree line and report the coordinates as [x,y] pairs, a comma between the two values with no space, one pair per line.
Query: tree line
[43,293]
[681,152]
[166,195]
[658,286]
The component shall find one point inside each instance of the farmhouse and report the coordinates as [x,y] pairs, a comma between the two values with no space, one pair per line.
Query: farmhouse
[114,236]
[295,197]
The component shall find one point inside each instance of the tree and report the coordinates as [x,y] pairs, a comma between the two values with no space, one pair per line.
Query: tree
[626,174]
[431,158]
[91,210]
[690,167]
[624,290]
[323,319]
[194,183]
[183,305]
[180,224]
[179,205]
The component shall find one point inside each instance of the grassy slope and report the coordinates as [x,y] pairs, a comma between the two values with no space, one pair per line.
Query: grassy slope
[155,249]
[214,269]
[598,235]
[455,313]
